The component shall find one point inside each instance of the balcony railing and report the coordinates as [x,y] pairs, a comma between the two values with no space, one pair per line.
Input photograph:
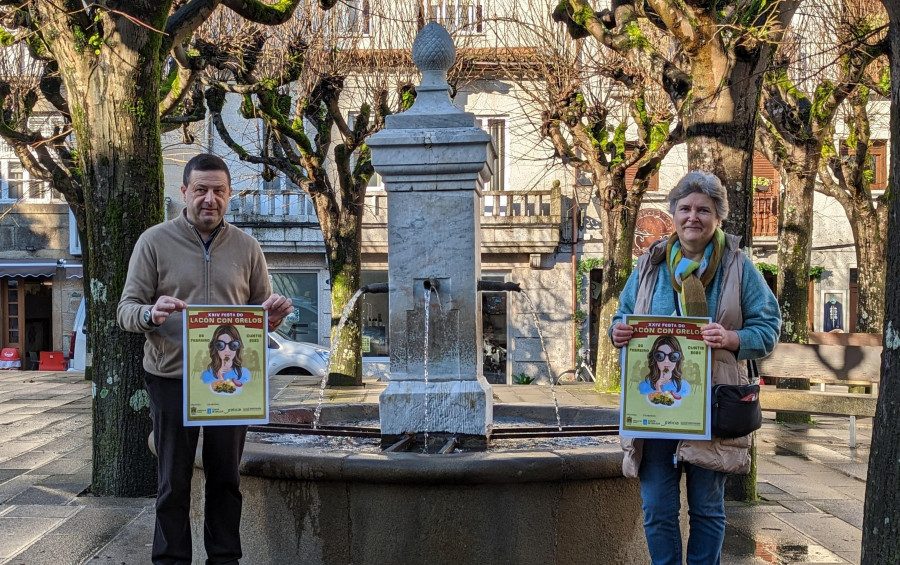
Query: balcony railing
[291,206]
[765,214]
[498,207]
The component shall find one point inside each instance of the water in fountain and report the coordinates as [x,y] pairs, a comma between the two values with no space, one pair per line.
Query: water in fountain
[335,339]
[425,366]
[537,325]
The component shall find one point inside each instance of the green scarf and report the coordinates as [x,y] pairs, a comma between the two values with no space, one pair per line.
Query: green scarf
[690,278]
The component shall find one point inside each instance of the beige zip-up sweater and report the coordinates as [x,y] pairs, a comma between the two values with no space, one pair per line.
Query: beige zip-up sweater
[170,259]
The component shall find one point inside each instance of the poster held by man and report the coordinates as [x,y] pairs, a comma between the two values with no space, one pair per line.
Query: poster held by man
[666,379]
[225,381]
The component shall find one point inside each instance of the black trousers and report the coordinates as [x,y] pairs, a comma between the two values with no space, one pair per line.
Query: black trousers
[176,447]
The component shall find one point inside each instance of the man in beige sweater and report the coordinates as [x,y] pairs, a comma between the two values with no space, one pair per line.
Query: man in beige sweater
[196,258]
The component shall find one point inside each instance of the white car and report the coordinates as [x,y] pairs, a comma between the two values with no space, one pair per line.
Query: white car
[296,357]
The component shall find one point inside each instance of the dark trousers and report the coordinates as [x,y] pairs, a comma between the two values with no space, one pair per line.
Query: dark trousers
[176,447]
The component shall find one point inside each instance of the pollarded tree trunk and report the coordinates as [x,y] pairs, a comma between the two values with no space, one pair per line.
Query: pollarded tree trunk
[617,227]
[113,97]
[721,121]
[794,247]
[881,517]
[345,266]
[871,264]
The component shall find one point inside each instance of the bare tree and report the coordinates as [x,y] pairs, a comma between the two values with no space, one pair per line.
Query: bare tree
[103,71]
[318,88]
[796,131]
[603,117]
[712,74]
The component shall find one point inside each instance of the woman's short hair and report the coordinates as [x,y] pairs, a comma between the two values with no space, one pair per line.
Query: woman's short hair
[703,182]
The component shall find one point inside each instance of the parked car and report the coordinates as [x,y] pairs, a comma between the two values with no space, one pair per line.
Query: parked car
[285,355]
[296,357]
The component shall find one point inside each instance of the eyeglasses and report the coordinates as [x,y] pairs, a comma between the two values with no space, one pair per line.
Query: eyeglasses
[232,345]
[660,356]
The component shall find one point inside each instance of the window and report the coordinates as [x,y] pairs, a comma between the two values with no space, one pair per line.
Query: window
[456,15]
[303,289]
[877,163]
[374,308]
[765,196]
[14,181]
[355,17]
[631,172]
[19,185]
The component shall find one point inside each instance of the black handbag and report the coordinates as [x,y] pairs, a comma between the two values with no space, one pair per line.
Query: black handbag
[735,408]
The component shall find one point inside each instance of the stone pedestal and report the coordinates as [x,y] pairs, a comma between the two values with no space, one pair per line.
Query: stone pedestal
[434,161]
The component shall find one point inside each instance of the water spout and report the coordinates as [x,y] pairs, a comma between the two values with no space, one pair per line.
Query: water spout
[499,286]
[375,288]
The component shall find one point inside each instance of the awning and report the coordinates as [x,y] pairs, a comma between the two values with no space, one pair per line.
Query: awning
[27,268]
[38,268]
[74,272]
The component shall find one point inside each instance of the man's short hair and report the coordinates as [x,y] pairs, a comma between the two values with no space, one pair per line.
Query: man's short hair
[204,162]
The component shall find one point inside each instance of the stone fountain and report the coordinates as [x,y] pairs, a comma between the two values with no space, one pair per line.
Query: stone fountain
[547,506]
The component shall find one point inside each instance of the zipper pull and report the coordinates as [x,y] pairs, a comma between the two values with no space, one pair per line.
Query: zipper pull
[675,460]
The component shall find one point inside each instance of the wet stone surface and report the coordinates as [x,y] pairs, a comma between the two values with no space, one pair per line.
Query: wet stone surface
[372,445]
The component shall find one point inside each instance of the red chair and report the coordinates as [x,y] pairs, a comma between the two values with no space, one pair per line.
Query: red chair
[52,361]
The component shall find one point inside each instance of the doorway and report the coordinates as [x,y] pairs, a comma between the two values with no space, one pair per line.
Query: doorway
[494,328]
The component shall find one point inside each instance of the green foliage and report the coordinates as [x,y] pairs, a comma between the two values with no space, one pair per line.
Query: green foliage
[616,147]
[585,266]
[407,99]
[171,84]
[6,38]
[761,181]
[576,22]
[884,81]
[822,95]
[247,107]
[579,317]
[636,36]
[658,135]
[815,271]
[767,268]
[522,379]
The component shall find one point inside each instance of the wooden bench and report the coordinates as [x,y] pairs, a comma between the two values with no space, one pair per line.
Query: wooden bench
[830,359]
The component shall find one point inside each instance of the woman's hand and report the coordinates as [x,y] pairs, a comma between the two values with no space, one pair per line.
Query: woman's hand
[717,337]
[621,333]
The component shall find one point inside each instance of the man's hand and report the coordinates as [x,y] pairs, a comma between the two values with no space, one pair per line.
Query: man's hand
[165,305]
[278,307]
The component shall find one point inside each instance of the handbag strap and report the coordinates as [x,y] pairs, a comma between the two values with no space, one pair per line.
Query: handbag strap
[752,371]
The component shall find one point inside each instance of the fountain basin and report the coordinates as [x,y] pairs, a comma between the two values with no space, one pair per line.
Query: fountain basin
[542,506]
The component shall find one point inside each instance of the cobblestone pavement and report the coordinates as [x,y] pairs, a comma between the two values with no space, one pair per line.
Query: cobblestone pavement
[811,484]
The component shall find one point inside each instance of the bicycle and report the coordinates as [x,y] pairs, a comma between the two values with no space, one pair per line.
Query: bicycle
[581,374]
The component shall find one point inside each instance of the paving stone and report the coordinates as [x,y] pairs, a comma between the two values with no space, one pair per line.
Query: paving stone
[63,466]
[29,459]
[18,533]
[828,530]
[7,474]
[850,511]
[41,511]
[79,537]
[800,486]
[17,485]
[132,544]
[48,495]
